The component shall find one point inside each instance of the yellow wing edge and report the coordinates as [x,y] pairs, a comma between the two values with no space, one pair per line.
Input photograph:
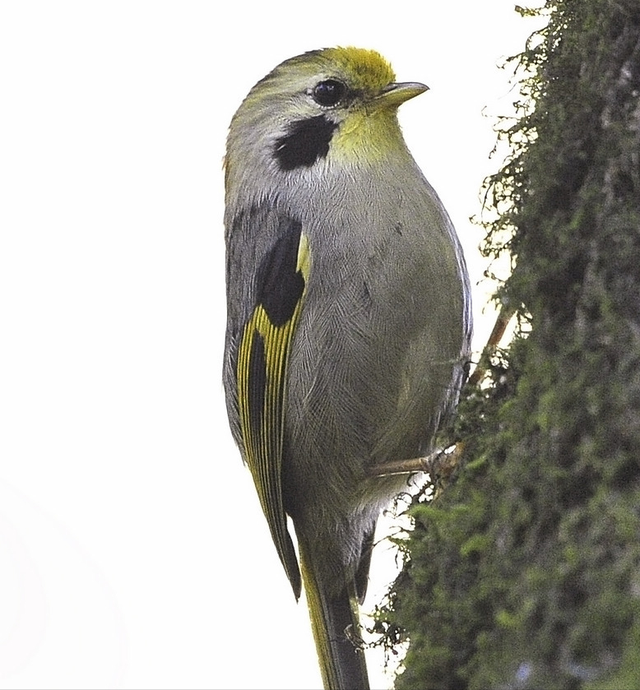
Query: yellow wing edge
[263,359]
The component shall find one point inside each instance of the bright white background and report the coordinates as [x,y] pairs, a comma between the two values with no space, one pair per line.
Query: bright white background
[132,550]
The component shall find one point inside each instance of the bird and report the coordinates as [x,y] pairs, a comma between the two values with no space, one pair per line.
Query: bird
[348,321]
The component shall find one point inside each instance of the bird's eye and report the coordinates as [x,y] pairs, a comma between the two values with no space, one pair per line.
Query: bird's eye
[328,93]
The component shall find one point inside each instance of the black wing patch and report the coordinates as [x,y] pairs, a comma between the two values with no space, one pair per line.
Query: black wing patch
[280,284]
[261,375]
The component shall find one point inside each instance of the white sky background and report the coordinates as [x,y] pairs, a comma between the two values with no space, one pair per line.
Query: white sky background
[132,548]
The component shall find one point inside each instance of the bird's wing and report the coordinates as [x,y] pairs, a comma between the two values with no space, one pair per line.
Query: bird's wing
[261,375]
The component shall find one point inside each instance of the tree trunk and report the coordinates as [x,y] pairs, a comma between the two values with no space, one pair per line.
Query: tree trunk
[524,572]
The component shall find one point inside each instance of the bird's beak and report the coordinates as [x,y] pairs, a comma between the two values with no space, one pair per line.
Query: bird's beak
[395,94]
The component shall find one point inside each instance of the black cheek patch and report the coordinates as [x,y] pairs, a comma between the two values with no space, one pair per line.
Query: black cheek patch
[279,282]
[306,142]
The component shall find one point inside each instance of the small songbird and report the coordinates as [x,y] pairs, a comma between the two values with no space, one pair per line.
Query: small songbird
[348,320]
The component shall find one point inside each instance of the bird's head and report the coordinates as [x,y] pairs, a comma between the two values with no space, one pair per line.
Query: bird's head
[336,105]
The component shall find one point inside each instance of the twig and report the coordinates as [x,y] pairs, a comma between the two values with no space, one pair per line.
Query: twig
[500,326]
[441,462]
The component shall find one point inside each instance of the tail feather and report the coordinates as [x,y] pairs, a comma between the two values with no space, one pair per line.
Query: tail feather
[335,625]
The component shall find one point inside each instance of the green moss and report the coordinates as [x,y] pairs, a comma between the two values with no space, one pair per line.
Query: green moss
[524,572]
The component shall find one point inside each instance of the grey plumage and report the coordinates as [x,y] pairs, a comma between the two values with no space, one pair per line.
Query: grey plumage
[378,353]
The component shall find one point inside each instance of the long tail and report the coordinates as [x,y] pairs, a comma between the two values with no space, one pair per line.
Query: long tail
[336,630]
